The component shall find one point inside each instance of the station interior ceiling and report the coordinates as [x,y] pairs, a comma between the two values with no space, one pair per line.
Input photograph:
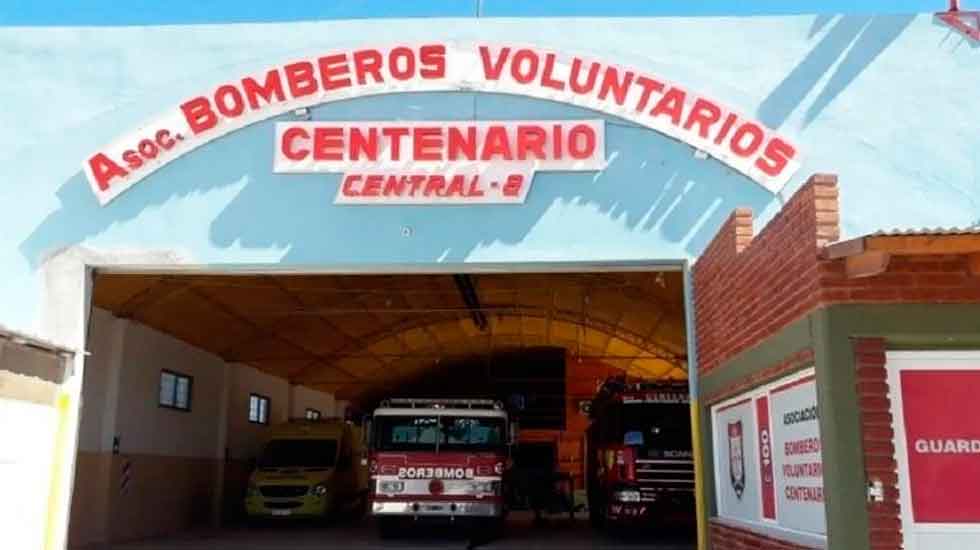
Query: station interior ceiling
[362,337]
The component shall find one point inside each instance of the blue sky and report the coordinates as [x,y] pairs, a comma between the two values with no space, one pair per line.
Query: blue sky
[143,12]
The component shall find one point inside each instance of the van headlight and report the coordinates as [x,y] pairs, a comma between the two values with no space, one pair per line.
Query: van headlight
[319,489]
[389,486]
[626,496]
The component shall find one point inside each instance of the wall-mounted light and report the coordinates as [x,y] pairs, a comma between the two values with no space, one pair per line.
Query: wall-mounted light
[303,113]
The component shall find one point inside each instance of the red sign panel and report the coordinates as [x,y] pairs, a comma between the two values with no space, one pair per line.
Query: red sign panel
[765,459]
[942,431]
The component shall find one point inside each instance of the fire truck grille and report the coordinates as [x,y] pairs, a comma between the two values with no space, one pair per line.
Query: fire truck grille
[664,476]
[283,491]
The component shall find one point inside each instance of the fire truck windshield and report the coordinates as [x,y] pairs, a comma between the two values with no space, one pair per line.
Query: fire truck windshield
[665,426]
[438,433]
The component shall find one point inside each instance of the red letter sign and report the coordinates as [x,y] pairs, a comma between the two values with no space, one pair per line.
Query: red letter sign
[765,459]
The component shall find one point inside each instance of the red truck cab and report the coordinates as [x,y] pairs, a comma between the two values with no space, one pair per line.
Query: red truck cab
[640,462]
[438,460]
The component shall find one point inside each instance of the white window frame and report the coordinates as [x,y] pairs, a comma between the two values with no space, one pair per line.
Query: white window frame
[895,363]
[261,419]
[174,404]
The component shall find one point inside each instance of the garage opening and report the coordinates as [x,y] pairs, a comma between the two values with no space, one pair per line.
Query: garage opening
[215,402]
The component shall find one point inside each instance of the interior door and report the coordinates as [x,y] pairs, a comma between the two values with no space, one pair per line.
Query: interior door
[935,401]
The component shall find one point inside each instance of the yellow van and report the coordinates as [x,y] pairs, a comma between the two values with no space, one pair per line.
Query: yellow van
[308,468]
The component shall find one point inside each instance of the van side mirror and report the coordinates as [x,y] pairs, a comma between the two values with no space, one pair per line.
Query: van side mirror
[513,433]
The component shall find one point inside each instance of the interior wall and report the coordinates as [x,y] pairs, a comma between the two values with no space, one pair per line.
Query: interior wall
[244,437]
[304,398]
[170,468]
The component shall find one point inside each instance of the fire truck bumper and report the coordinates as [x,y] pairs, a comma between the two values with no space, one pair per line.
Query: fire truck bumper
[437,509]
[644,513]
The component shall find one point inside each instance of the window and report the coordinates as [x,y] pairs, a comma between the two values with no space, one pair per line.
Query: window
[258,409]
[312,414]
[175,390]
[398,433]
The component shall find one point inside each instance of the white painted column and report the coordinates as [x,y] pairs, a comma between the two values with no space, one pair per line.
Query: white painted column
[65,314]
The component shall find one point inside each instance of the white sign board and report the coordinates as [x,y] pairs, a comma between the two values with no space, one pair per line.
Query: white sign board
[797,453]
[736,479]
[768,460]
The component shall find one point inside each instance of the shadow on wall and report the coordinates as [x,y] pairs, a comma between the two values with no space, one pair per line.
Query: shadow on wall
[652,184]
[850,45]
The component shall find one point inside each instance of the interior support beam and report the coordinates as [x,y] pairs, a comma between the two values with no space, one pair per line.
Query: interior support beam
[467,290]
[235,315]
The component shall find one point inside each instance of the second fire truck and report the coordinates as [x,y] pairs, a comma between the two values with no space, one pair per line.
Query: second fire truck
[640,463]
[438,459]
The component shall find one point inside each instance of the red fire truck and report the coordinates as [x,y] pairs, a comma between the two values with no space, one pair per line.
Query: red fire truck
[640,463]
[439,460]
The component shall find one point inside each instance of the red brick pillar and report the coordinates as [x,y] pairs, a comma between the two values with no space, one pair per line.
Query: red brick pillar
[884,517]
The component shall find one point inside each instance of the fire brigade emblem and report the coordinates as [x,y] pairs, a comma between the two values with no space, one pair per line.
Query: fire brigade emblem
[736,458]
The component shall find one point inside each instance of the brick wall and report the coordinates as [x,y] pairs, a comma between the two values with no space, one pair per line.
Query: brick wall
[726,537]
[786,366]
[908,280]
[879,451]
[747,288]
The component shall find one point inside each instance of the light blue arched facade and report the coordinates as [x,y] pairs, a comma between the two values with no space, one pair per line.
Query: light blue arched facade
[889,103]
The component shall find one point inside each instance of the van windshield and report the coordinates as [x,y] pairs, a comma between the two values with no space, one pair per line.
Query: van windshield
[434,433]
[299,453]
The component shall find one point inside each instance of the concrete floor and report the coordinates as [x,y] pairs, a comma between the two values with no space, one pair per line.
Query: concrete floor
[520,534]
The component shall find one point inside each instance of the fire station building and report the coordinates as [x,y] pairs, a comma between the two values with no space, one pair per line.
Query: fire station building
[210,227]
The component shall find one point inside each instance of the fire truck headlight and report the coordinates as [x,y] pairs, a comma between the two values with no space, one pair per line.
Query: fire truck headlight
[484,487]
[389,487]
[626,496]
